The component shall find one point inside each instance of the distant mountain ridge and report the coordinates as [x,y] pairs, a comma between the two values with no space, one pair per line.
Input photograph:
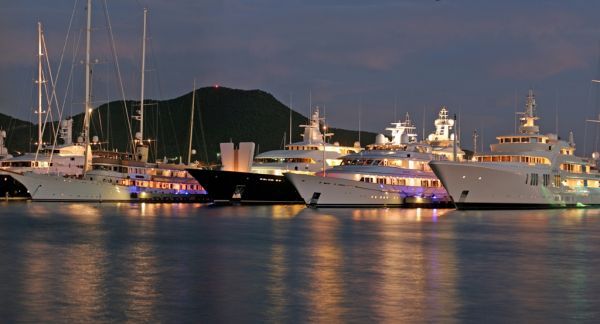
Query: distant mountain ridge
[221,115]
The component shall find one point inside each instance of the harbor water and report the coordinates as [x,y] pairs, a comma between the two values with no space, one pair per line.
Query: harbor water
[197,263]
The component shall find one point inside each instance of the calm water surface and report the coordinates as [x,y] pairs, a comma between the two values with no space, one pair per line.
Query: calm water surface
[193,263]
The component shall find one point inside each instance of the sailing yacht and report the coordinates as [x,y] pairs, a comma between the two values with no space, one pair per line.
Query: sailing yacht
[523,170]
[65,159]
[112,176]
[264,182]
[389,173]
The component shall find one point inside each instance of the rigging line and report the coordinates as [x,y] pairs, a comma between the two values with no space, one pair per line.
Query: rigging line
[202,133]
[107,110]
[160,93]
[64,49]
[51,97]
[100,122]
[118,71]
[589,100]
[30,116]
[69,87]
[197,137]
[596,100]
[59,108]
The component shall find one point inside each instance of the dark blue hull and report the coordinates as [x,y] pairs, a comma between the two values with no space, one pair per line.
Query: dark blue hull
[246,188]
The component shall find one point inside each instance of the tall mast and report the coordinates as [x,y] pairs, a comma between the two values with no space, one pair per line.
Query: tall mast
[189,159]
[39,84]
[143,77]
[290,118]
[88,71]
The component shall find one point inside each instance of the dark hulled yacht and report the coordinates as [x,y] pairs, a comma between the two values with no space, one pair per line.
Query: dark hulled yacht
[260,180]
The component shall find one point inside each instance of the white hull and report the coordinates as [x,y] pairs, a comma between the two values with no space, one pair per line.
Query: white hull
[337,192]
[486,185]
[56,188]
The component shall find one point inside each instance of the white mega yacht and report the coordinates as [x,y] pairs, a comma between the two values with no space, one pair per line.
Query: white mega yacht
[523,170]
[388,173]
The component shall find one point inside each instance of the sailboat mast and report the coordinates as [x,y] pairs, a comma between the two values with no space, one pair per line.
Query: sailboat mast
[189,159]
[39,84]
[143,76]
[88,71]
[290,119]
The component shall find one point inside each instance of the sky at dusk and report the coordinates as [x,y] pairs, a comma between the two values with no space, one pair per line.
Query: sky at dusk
[384,58]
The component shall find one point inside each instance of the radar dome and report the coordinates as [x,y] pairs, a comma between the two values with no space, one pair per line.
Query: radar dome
[380,139]
[596,155]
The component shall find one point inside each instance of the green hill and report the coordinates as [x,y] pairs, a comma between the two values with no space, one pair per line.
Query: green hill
[221,115]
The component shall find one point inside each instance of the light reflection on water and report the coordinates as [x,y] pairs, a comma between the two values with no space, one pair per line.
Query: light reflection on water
[181,263]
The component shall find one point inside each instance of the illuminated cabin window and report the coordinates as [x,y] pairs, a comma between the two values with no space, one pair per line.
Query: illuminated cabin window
[513,158]
[284,160]
[395,181]
[593,184]
[575,182]
[574,168]
[556,182]
[398,163]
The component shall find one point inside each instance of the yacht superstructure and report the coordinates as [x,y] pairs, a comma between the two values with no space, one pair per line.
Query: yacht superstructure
[391,172]
[265,183]
[3,150]
[523,170]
